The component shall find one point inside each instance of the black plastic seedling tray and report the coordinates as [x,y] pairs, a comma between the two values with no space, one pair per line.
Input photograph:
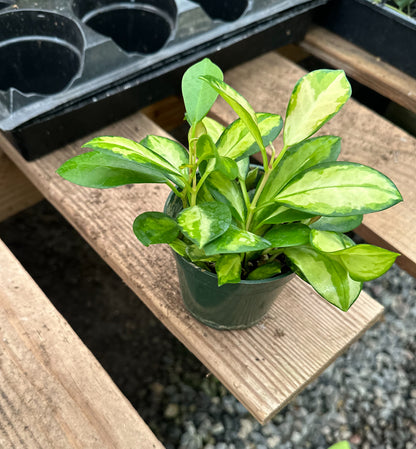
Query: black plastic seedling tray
[377,28]
[68,67]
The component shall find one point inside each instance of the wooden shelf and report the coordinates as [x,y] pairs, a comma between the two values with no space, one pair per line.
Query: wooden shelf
[54,392]
[364,67]
[264,367]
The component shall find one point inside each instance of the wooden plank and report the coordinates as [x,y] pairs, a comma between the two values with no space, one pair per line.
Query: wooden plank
[16,192]
[364,67]
[54,393]
[366,138]
[265,366]
[168,113]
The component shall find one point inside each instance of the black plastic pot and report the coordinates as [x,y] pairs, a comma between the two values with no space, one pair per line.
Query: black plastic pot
[231,306]
[378,29]
[101,60]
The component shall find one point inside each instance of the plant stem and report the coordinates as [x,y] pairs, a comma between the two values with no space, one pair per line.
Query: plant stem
[192,164]
[279,157]
[245,193]
[253,204]
[175,190]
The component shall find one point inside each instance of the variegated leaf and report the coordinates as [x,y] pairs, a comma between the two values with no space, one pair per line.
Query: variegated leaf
[339,189]
[316,98]
[226,191]
[237,142]
[326,275]
[228,269]
[132,151]
[236,240]
[240,105]
[298,159]
[169,149]
[328,241]
[366,262]
[104,170]
[213,128]
[337,224]
[204,222]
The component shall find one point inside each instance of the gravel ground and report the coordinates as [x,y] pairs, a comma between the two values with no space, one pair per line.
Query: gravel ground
[368,396]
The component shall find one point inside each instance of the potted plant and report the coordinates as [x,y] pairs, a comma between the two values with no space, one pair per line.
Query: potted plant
[385,28]
[239,232]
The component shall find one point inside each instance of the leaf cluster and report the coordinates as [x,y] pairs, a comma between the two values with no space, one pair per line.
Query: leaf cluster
[245,222]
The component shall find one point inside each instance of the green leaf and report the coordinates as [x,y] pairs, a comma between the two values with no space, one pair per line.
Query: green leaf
[227,167]
[198,255]
[213,128]
[243,166]
[277,214]
[226,191]
[341,445]
[198,96]
[337,224]
[236,240]
[239,104]
[265,271]
[179,246]
[326,275]
[252,178]
[155,227]
[316,98]
[228,269]
[237,141]
[204,222]
[206,148]
[299,158]
[339,189]
[328,241]
[285,235]
[366,262]
[130,150]
[170,150]
[103,170]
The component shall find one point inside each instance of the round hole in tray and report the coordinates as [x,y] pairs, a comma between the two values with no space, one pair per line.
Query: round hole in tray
[135,26]
[226,10]
[40,52]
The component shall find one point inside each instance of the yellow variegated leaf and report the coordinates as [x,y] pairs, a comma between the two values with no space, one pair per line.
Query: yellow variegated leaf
[316,98]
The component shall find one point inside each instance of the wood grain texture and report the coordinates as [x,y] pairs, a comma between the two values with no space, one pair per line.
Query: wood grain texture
[168,113]
[53,392]
[265,366]
[364,67]
[16,192]
[366,138]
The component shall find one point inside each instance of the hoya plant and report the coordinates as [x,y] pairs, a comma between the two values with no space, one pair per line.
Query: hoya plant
[290,213]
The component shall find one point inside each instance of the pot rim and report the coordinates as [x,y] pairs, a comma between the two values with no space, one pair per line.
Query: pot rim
[243,281]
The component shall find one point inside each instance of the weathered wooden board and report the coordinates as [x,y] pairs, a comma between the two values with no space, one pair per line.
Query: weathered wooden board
[367,138]
[16,192]
[168,113]
[53,392]
[364,67]
[264,367]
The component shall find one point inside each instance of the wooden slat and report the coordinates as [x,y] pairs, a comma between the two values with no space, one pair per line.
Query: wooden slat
[168,113]
[16,192]
[366,138]
[264,367]
[53,392]
[364,67]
